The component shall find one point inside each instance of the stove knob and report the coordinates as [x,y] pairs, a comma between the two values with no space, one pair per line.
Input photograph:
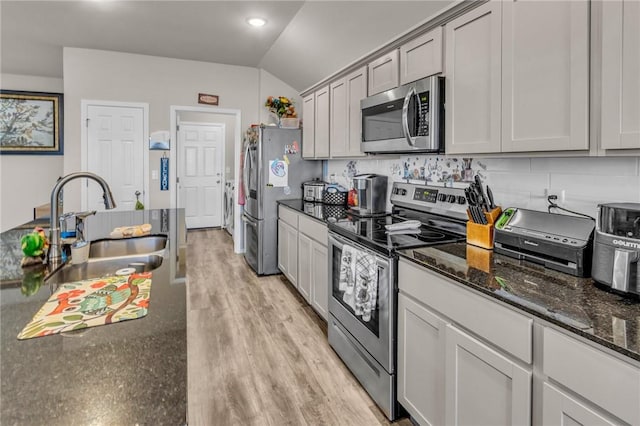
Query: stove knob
[461,200]
[404,192]
[442,197]
[451,198]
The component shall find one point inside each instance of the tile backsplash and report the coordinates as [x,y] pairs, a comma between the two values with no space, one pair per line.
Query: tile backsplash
[580,183]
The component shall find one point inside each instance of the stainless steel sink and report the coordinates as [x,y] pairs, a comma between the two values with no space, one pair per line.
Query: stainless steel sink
[127,246]
[96,268]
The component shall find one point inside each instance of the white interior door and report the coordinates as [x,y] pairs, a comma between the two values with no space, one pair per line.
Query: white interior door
[115,147]
[200,174]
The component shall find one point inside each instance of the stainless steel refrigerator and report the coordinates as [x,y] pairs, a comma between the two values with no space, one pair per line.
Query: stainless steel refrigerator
[273,170]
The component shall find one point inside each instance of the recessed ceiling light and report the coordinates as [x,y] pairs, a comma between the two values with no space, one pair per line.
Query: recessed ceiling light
[256,22]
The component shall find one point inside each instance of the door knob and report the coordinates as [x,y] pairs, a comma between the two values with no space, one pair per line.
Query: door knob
[217,181]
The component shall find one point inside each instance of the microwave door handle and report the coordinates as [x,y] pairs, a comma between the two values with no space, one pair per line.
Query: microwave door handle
[405,116]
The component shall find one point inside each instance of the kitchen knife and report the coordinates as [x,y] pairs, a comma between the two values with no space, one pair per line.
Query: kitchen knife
[482,198]
[492,204]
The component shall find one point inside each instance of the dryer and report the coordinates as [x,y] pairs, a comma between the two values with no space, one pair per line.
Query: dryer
[229,189]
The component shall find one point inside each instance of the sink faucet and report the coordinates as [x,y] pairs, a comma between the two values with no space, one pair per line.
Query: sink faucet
[54,256]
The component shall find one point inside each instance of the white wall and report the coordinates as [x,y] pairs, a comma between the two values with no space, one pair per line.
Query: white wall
[517,182]
[27,180]
[160,82]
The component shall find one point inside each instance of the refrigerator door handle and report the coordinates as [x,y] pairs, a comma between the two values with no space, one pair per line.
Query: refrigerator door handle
[245,170]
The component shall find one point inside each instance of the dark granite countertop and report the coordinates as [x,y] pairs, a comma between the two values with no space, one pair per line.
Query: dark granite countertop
[575,304]
[324,212]
[131,372]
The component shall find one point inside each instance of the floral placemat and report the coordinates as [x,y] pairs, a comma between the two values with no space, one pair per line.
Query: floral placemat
[91,303]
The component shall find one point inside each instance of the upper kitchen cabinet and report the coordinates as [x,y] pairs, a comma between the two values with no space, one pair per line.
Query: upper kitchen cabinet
[473,86]
[315,112]
[421,57]
[545,76]
[346,118]
[518,78]
[620,74]
[383,73]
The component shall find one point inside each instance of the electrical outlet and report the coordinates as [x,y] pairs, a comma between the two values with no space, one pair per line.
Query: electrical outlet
[563,195]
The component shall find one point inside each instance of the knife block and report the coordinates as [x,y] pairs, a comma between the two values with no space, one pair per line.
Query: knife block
[481,235]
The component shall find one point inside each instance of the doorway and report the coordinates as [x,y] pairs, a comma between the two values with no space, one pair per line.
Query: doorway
[113,141]
[233,131]
[200,168]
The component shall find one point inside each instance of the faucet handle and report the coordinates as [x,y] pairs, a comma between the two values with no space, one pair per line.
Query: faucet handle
[80,217]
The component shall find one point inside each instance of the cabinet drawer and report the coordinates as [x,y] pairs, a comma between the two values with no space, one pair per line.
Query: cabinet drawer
[288,216]
[503,327]
[597,376]
[313,229]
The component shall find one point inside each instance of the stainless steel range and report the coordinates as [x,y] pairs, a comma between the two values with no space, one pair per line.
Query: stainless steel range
[362,269]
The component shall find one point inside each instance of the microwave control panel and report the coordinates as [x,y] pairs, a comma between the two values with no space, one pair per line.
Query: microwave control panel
[423,114]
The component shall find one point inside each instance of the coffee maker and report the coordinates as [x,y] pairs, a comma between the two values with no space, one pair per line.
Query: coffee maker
[371,194]
[616,248]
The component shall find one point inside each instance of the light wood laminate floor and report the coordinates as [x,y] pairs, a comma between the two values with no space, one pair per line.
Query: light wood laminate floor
[257,352]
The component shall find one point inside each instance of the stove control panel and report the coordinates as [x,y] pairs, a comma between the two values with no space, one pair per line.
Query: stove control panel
[430,198]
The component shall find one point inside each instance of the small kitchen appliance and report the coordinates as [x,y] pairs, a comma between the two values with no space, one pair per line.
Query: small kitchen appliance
[371,194]
[407,119]
[313,190]
[560,242]
[422,216]
[616,249]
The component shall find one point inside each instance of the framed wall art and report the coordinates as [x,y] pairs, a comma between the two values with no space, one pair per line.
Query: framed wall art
[31,123]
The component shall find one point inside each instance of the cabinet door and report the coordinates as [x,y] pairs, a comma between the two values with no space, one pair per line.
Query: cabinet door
[305,271]
[421,343]
[545,75]
[309,126]
[320,279]
[322,123]
[560,409]
[292,258]
[339,119]
[356,91]
[620,74]
[421,57]
[473,87]
[383,73]
[283,247]
[482,386]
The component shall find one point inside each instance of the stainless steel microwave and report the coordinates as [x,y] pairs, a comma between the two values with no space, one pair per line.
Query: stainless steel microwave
[406,119]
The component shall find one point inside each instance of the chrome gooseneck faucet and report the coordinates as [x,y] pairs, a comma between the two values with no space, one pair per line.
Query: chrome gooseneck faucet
[54,256]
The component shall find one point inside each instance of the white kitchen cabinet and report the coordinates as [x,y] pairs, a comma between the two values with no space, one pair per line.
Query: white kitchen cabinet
[322,123]
[545,76]
[600,379]
[518,78]
[561,409]
[313,280]
[315,131]
[421,347]
[305,266]
[473,86]
[346,118]
[288,251]
[383,73]
[309,126]
[339,119]
[421,57]
[320,279]
[483,386]
[620,128]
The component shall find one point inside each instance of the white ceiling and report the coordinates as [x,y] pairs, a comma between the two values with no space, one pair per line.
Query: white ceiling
[303,41]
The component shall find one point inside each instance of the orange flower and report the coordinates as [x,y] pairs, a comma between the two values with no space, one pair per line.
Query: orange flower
[143,303]
[70,294]
[98,284]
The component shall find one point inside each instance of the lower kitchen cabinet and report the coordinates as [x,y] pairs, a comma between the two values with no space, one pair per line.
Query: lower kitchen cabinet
[303,258]
[421,347]
[482,386]
[561,409]
[288,251]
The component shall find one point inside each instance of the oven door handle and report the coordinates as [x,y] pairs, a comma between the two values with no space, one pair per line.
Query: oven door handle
[405,115]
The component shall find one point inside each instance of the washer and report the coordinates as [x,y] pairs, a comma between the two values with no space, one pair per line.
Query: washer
[229,189]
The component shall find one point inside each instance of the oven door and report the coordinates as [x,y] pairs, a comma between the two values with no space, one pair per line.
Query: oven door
[375,335]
